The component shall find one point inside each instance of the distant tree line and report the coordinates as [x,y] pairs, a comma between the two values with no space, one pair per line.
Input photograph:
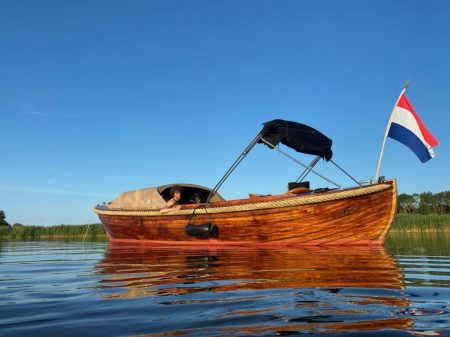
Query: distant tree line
[424,203]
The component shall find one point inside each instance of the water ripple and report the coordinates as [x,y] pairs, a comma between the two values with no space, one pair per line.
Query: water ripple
[65,288]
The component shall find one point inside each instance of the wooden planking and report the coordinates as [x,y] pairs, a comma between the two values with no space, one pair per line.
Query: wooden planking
[364,217]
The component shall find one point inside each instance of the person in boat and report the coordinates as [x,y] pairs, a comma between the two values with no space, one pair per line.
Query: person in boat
[173,203]
[195,198]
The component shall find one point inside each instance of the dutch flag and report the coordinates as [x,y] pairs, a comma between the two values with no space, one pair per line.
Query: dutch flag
[407,128]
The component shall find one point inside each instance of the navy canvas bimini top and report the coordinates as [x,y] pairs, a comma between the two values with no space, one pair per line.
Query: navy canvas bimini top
[300,137]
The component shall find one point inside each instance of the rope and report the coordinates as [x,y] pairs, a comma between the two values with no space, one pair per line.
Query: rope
[87,229]
[193,215]
[295,201]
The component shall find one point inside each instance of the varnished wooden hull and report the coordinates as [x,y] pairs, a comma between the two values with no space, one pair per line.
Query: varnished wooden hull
[347,217]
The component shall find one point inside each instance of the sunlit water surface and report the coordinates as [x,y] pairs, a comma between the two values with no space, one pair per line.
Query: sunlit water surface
[97,289]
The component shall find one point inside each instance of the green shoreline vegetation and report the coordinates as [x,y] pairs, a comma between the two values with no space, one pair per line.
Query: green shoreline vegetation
[402,223]
[18,231]
[424,212]
[421,223]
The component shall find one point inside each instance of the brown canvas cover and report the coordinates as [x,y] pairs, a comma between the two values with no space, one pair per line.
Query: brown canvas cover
[149,198]
[146,198]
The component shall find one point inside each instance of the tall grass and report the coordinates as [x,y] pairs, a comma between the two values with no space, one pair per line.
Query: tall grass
[60,231]
[402,223]
[421,223]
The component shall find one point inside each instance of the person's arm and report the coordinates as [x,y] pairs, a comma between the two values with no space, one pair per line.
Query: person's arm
[170,206]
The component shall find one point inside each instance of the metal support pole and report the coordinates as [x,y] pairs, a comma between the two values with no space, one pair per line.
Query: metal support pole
[235,164]
[308,169]
[301,164]
[348,175]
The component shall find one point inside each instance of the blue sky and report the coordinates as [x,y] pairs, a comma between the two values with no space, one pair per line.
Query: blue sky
[101,97]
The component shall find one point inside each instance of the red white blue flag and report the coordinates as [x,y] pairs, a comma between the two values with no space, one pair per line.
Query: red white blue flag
[407,128]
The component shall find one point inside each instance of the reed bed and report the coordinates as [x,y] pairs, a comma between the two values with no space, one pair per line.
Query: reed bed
[402,223]
[60,231]
[421,223]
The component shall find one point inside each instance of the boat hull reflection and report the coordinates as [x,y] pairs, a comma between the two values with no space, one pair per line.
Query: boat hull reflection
[338,289]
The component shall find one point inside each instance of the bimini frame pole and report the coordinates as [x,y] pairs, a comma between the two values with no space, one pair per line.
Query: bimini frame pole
[301,164]
[235,164]
[308,169]
[387,129]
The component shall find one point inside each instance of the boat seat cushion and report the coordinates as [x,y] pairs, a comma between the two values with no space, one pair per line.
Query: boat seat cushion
[299,190]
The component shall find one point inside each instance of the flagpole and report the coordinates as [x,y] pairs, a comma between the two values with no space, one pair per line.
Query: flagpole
[387,129]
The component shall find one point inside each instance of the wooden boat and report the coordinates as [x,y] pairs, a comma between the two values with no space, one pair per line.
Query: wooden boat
[358,215]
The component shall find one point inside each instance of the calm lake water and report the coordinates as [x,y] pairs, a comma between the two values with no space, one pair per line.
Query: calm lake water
[69,289]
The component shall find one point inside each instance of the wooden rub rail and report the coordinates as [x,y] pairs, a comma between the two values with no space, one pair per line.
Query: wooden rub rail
[293,201]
